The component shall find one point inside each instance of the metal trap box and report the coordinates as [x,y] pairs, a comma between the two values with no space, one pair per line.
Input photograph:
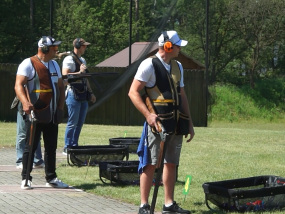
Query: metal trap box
[132,142]
[123,172]
[91,155]
[260,193]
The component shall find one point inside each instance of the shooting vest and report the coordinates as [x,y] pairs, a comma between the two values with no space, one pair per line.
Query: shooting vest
[165,94]
[45,93]
[79,87]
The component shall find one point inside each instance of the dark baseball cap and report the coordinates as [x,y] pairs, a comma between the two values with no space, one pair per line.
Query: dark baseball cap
[82,42]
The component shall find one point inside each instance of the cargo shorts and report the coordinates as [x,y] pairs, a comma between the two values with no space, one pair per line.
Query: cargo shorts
[173,148]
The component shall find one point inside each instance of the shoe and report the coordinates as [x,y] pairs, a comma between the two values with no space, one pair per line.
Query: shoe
[145,209]
[175,209]
[39,165]
[64,151]
[29,185]
[20,166]
[55,183]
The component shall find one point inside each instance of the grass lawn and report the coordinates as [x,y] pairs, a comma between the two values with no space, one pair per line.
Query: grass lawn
[219,152]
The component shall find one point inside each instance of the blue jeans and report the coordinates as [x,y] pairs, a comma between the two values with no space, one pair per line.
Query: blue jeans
[21,140]
[77,111]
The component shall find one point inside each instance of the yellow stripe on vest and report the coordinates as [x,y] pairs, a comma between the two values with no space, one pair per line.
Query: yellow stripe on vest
[164,101]
[42,91]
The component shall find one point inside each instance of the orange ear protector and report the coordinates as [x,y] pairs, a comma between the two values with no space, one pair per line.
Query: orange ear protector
[168,47]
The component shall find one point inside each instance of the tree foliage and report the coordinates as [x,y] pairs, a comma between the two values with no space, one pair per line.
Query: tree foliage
[260,23]
[246,37]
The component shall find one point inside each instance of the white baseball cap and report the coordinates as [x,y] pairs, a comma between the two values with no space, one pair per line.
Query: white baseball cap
[172,37]
[47,41]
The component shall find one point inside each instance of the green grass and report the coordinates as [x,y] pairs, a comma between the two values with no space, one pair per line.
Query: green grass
[221,151]
[245,138]
[242,104]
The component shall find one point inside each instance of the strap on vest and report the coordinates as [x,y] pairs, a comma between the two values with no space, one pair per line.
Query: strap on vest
[164,101]
[42,91]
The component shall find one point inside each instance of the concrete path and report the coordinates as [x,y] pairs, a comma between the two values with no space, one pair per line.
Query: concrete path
[14,200]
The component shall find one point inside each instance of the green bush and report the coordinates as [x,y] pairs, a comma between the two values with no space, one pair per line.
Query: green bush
[267,92]
[265,102]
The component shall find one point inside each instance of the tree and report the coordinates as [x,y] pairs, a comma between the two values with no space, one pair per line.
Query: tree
[104,23]
[224,40]
[18,39]
[260,24]
[14,23]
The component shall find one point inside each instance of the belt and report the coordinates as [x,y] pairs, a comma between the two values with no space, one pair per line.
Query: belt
[43,90]
[164,101]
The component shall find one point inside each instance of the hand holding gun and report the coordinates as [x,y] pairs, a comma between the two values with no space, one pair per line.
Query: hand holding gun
[59,55]
[32,136]
[160,161]
[86,72]
[84,75]
[160,130]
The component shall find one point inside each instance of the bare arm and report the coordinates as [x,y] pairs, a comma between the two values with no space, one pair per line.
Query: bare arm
[135,97]
[66,71]
[185,110]
[93,98]
[21,94]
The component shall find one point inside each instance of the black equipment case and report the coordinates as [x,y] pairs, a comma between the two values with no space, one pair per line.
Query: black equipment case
[132,142]
[260,193]
[123,172]
[91,155]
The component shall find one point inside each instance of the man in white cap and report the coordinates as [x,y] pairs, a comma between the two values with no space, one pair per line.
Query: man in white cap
[40,89]
[162,79]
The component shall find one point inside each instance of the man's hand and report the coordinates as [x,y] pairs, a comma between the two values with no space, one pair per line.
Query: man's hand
[152,120]
[27,107]
[93,98]
[83,68]
[191,132]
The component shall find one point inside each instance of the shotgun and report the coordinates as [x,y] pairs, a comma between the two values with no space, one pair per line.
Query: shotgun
[161,129]
[76,58]
[160,161]
[80,76]
[31,137]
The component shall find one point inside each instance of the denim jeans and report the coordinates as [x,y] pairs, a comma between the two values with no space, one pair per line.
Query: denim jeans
[77,111]
[21,140]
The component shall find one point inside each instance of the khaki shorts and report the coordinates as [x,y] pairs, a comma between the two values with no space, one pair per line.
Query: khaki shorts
[172,153]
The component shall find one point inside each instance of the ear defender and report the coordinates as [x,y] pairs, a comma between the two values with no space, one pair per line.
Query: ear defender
[77,43]
[45,48]
[168,47]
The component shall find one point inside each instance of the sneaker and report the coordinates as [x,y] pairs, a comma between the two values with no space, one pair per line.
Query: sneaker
[175,209]
[145,209]
[64,151]
[29,185]
[39,165]
[56,183]
[19,166]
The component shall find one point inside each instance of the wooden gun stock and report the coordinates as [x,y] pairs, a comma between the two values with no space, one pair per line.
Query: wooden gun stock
[150,107]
